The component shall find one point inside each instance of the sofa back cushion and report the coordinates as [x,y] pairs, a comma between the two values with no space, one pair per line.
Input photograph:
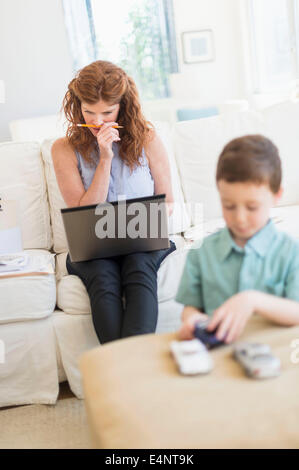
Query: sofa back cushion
[198,145]
[22,179]
[56,200]
[282,127]
[179,221]
[38,128]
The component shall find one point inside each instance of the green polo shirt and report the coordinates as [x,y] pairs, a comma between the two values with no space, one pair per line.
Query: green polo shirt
[218,268]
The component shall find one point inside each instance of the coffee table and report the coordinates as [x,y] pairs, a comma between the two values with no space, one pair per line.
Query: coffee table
[136,398]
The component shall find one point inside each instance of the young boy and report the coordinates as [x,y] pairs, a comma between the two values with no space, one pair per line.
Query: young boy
[248,267]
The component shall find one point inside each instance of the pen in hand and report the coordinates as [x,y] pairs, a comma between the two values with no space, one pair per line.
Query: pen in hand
[97,126]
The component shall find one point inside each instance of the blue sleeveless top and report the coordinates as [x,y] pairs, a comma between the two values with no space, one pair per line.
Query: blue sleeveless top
[123,181]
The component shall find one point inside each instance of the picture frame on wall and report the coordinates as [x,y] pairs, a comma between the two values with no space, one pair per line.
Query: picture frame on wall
[198,46]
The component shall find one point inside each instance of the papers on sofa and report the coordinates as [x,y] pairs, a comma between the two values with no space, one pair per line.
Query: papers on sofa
[10,240]
[10,230]
[13,262]
[24,264]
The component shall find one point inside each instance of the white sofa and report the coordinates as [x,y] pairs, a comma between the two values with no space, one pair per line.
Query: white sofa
[45,321]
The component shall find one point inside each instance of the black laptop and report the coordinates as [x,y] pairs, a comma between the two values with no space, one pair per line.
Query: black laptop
[116,228]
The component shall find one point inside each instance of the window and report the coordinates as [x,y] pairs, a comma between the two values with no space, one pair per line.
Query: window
[275,44]
[137,35]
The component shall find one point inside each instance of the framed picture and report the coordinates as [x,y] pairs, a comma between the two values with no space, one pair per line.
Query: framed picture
[198,46]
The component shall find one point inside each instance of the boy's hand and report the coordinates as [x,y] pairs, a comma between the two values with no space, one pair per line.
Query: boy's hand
[231,317]
[187,328]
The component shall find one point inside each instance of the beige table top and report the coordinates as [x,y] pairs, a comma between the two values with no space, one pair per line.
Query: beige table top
[136,398]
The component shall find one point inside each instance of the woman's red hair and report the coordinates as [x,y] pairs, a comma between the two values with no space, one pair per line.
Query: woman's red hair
[105,81]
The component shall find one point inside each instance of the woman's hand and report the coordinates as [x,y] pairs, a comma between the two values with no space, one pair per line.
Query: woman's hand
[231,317]
[105,136]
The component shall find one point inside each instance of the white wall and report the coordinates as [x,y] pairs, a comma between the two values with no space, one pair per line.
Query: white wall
[35,60]
[219,80]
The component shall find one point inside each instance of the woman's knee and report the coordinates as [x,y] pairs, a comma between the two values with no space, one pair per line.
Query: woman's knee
[138,263]
[99,270]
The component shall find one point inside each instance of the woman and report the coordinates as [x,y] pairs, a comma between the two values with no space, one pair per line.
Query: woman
[96,165]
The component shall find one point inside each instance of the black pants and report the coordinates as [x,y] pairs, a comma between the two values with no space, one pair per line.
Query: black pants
[107,279]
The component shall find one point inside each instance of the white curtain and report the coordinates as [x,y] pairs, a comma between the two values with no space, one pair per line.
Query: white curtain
[79,25]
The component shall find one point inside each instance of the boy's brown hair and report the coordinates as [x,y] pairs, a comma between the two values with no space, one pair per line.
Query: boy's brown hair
[252,158]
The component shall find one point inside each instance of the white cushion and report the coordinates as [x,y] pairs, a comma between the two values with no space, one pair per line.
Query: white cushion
[29,372]
[286,219]
[22,179]
[56,200]
[72,296]
[282,126]
[28,297]
[38,128]
[75,335]
[198,145]
[179,221]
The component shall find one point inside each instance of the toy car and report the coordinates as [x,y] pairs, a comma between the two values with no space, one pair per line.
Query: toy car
[208,338]
[191,357]
[257,360]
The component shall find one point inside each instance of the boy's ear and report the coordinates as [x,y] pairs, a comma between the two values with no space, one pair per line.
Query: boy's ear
[278,195]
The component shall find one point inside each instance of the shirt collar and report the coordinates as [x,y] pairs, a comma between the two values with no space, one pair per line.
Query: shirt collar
[259,243]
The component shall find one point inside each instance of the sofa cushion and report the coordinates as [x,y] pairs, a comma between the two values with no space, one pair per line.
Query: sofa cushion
[56,200]
[38,128]
[73,298]
[281,123]
[188,114]
[197,147]
[28,297]
[22,179]
[75,334]
[179,221]
[286,219]
[29,372]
